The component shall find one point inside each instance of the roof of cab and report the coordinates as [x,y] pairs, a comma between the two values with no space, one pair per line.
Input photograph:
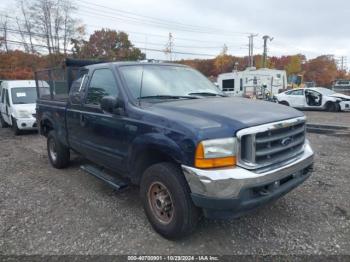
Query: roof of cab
[133,63]
[18,83]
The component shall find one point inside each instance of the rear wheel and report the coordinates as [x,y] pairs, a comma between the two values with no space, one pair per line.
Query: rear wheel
[284,103]
[167,201]
[58,153]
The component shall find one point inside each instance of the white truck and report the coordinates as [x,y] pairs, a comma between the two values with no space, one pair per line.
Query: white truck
[253,82]
[17,105]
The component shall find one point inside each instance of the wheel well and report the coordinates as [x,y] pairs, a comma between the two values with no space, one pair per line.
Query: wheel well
[284,103]
[45,127]
[145,159]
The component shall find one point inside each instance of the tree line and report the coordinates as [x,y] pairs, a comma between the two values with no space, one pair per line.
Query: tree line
[41,33]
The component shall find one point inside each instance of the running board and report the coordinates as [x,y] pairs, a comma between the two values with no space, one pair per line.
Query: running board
[99,173]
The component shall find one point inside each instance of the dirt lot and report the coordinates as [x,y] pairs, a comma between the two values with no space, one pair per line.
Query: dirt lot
[48,211]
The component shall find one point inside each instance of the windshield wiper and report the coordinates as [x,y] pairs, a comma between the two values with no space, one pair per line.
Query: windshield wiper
[167,97]
[206,94]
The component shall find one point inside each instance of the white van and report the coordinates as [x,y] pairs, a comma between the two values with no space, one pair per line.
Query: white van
[17,105]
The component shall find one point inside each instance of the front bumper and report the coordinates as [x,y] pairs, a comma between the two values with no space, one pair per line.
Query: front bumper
[344,105]
[230,192]
[26,123]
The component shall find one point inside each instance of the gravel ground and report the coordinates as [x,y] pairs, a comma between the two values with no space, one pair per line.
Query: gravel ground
[48,211]
[328,118]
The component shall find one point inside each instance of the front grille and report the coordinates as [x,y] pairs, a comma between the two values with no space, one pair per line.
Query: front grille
[269,144]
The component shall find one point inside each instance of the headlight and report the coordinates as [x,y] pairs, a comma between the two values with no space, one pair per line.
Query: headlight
[216,153]
[23,114]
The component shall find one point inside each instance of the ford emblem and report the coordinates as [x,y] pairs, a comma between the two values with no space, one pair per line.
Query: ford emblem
[286,141]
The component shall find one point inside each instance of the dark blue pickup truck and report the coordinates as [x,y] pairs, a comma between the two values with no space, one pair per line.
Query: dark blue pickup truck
[192,150]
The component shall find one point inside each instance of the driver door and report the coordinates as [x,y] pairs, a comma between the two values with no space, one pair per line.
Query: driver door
[102,134]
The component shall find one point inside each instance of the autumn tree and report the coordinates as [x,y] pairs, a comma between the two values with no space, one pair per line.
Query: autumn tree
[107,44]
[16,64]
[322,70]
[223,62]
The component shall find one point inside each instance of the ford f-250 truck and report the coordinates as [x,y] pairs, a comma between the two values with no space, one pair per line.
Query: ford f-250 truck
[166,128]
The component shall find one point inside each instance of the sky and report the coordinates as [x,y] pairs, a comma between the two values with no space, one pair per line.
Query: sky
[200,28]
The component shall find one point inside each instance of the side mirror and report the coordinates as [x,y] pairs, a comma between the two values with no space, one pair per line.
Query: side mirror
[110,104]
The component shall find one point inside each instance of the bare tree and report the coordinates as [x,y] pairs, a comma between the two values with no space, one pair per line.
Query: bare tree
[4,28]
[54,18]
[26,27]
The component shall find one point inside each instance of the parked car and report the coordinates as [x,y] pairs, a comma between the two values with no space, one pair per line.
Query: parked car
[17,105]
[318,98]
[166,128]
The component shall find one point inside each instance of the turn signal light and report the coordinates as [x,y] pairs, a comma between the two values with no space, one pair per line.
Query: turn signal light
[202,162]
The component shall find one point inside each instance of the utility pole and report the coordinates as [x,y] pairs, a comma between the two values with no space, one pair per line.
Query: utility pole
[251,49]
[265,37]
[343,63]
[169,47]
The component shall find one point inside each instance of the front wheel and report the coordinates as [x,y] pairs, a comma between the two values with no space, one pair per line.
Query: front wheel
[167,202]
[2,121]
[332,107]
[58,153]
[15,128]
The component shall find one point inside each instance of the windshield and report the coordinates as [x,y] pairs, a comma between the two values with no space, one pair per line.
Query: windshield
[167,82]
[325,91]
[23,95]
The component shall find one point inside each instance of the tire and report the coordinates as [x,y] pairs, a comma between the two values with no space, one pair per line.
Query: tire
[15,128]
[332,107]
[3,123]
[285,103]
[59,154]
[181,215]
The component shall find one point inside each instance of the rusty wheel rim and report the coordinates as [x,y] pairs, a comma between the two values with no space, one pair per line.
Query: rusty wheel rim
[161,203]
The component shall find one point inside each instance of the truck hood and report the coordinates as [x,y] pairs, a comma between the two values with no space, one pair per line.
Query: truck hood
[25,107]
[220,114]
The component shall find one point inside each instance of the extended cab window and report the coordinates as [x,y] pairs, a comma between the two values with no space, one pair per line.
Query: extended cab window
[102,84]
[78,86]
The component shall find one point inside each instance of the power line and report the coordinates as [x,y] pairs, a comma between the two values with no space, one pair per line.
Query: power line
[142,33]
[99,14]
[153,19]
[177,52]
[21,43]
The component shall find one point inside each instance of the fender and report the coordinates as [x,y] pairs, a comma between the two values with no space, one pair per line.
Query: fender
[48,116]
[163,144]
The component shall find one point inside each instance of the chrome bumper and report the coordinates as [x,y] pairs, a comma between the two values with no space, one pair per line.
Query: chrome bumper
[228,182]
